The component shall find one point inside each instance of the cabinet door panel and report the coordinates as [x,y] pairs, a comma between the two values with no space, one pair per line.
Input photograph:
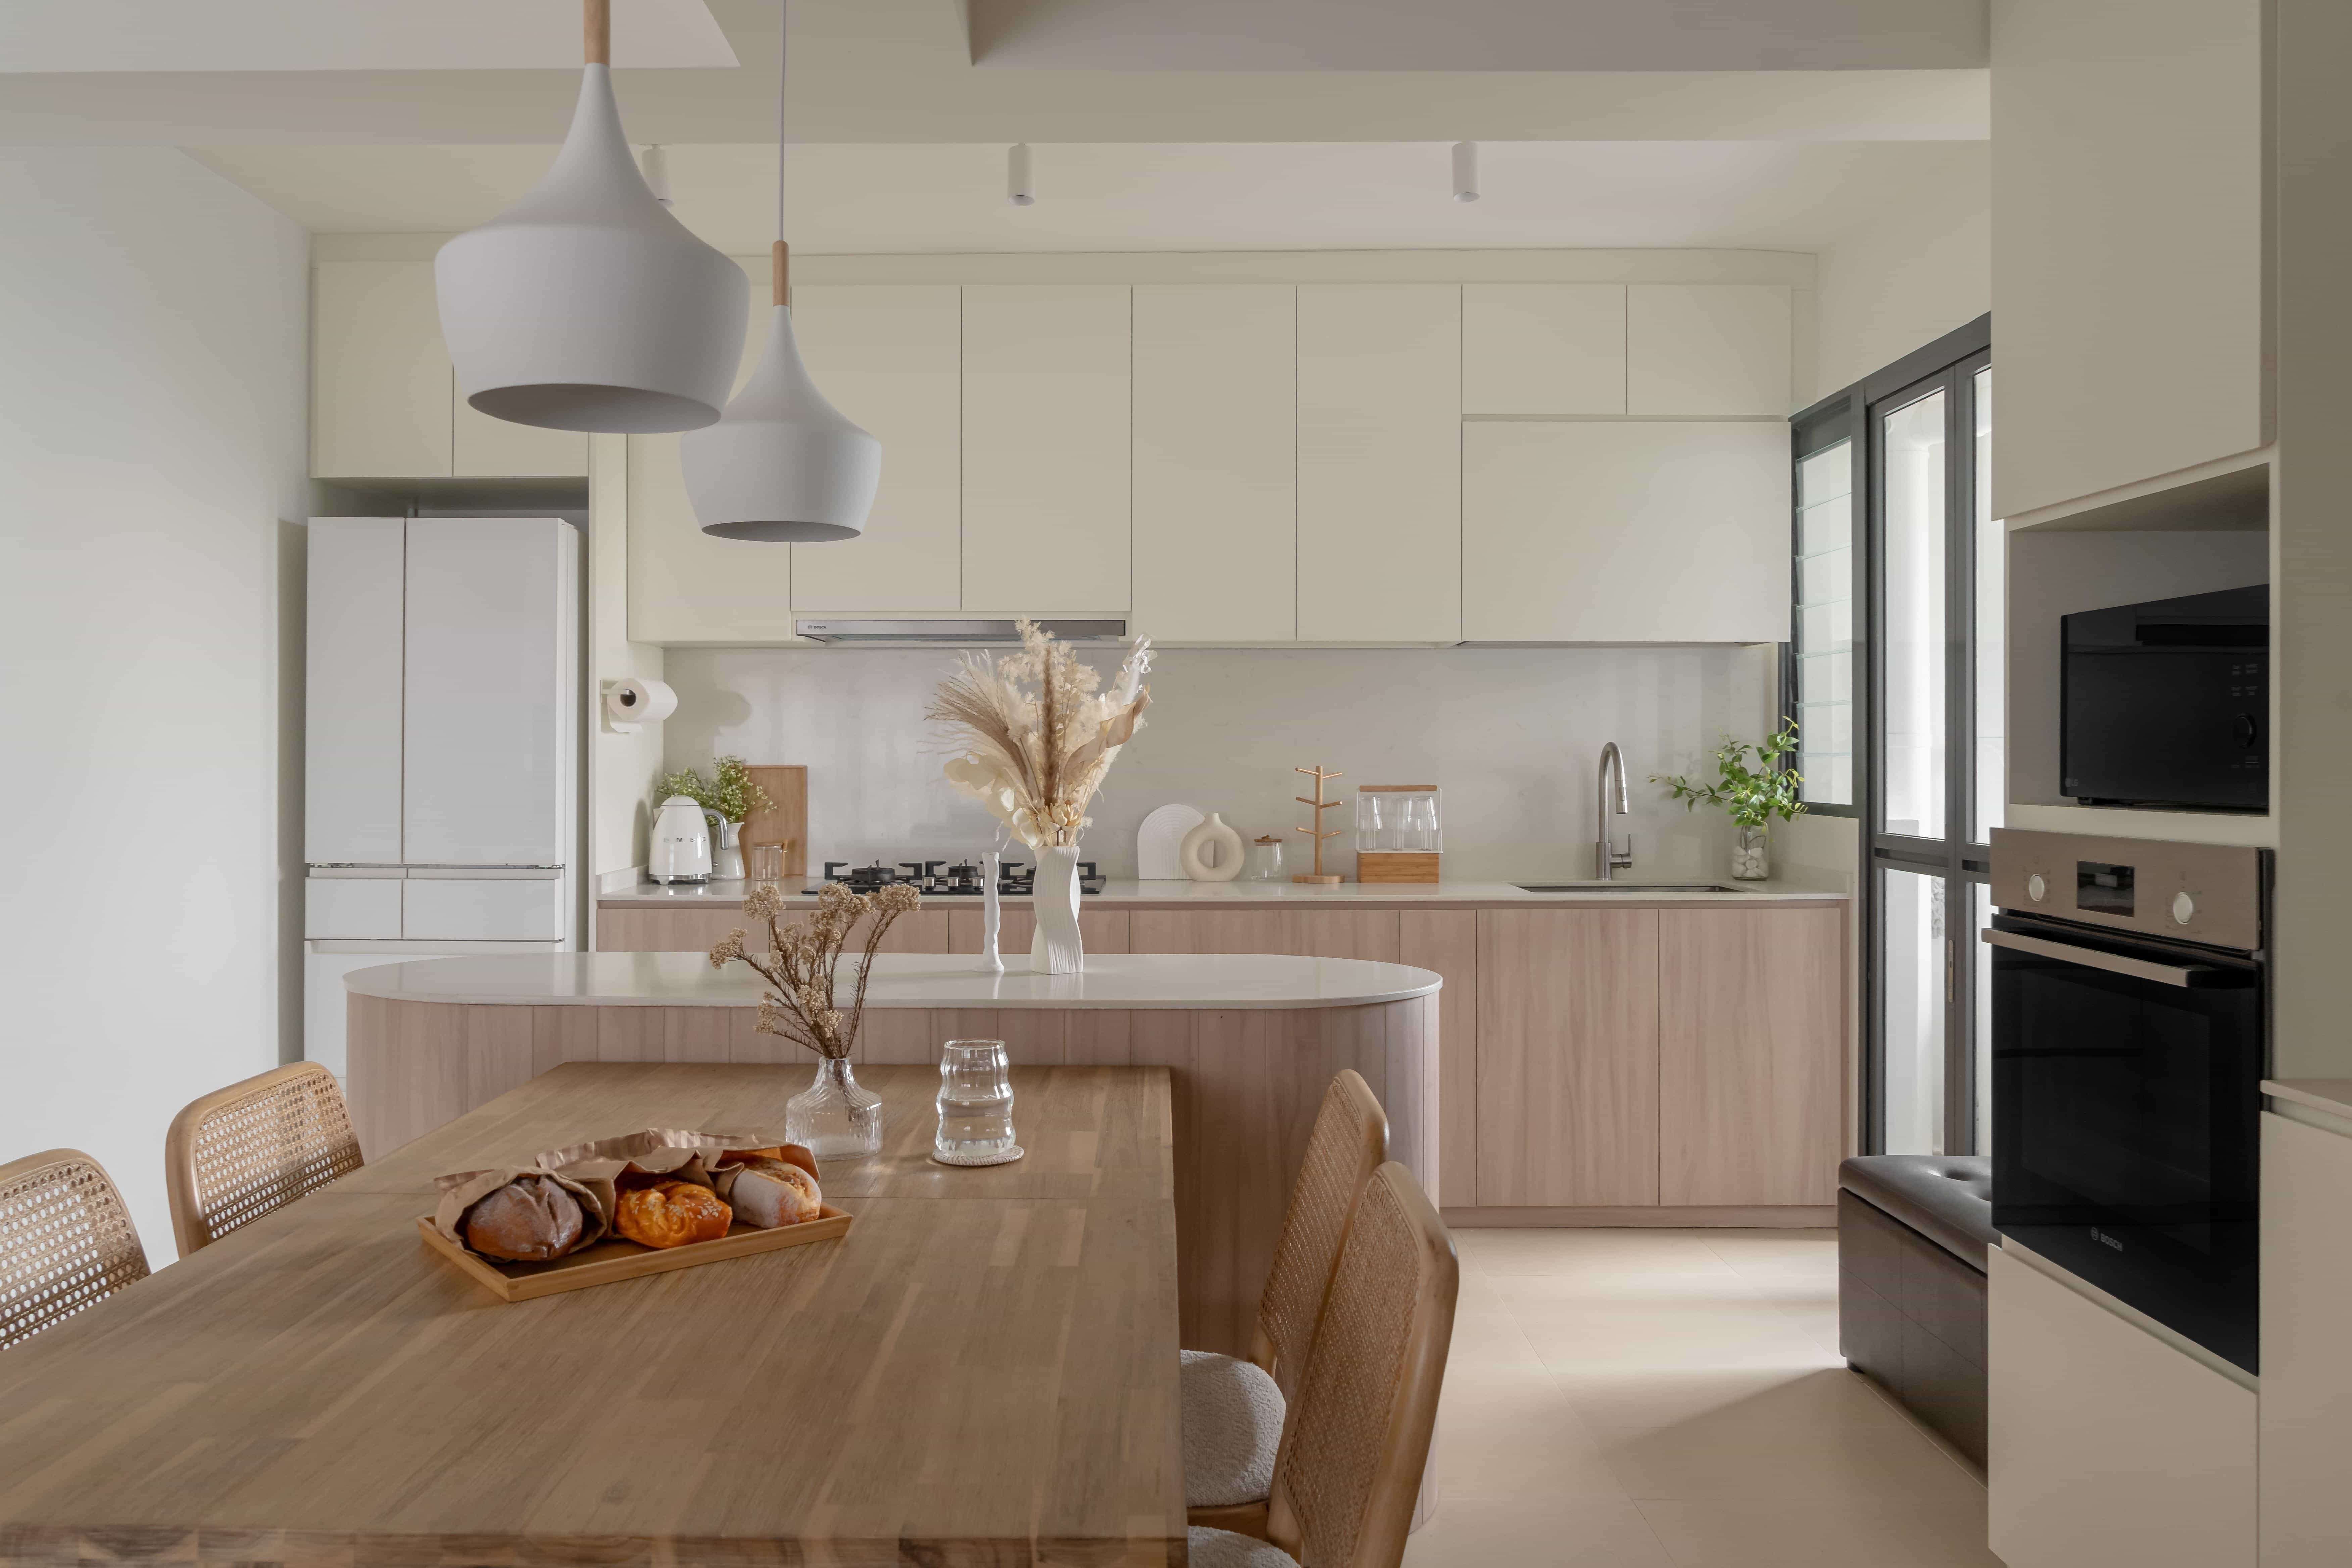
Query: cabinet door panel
[890,357]
[1707,349]
[2306,1404]
[1568,1056]
[686,586]
[381,387]
[1305,933]
[1751,1056]
[1216,462]
[1046,448]
[1665,531]
[1380,463]
[1543,348]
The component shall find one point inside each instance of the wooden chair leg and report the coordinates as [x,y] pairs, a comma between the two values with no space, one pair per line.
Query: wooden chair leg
[1240,1518]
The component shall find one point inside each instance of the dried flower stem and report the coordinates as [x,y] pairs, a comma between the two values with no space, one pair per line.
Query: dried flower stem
[803,957]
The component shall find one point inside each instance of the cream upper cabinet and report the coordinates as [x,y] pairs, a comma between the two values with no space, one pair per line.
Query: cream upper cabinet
[499,448]
[1707,349]
[686,586]
[1543,348]
[382,388]
[888,356]
[1625,531]
[1047,460]
[1216,492]
[2129,280]
[384,396]
[1379,462]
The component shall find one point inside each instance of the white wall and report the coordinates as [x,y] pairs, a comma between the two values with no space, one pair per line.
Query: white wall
[1512,735]
[1921,267]
[153,388]
[621,764]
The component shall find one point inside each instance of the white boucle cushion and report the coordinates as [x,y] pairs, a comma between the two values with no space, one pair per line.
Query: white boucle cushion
[1207,1548]
[1233,1424]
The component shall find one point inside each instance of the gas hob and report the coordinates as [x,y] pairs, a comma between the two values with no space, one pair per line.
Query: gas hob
[962,876]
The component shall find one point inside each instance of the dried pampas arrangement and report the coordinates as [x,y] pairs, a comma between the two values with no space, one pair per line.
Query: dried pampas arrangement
[1036,734]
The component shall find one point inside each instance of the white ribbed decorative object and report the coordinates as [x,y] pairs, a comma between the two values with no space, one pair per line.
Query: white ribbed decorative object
[585,306]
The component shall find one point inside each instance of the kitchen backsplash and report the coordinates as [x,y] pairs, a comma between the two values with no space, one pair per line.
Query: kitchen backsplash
[1512,735]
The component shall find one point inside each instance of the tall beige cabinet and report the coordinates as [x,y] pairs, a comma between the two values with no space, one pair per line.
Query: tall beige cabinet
[1379,462]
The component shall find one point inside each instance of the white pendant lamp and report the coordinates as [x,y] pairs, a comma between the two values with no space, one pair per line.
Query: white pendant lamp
[1465,171]
[585,306]
[782,466]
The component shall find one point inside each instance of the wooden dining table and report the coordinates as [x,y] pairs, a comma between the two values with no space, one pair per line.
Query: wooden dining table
[982,1371]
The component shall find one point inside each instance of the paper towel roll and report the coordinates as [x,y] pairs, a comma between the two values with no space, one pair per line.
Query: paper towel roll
[635,701]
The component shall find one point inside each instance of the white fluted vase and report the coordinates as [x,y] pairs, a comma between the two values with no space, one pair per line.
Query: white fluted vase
[1055,949]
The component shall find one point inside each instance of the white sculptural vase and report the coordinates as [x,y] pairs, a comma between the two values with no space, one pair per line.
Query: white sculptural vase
[992,916]
[1055,949]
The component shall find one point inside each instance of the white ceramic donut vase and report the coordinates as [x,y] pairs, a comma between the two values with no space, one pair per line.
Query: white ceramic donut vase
[1193,854]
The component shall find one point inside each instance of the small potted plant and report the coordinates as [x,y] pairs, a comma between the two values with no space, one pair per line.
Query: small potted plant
[727,797]
[1754,791]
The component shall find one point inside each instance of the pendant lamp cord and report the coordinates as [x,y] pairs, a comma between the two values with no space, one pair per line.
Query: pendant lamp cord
[783,284]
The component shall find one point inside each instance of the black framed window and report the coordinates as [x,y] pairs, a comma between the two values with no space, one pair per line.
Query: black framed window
[1925,718]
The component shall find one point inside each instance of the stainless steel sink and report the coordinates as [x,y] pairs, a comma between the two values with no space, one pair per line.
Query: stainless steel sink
[1635,889]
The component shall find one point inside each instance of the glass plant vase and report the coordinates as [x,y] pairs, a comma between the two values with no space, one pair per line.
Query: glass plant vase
[1055,949]
[1750,860]
[833,1117]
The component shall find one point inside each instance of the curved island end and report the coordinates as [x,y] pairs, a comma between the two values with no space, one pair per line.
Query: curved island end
[1250,1042]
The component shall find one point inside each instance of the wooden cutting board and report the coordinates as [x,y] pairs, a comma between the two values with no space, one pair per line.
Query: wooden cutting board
[786,821]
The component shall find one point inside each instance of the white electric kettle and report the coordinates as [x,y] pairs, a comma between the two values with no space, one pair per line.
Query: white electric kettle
[681,847]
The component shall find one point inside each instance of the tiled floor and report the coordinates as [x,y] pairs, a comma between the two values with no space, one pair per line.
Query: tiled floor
[1674,1399]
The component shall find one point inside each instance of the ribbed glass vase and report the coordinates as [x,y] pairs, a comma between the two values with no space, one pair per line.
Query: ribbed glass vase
[833,1118]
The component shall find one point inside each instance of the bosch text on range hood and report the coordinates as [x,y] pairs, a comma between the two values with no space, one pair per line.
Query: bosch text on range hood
[963,632]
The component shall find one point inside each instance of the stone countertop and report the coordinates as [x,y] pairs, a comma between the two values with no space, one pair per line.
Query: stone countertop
[1343,895]
[1121,982]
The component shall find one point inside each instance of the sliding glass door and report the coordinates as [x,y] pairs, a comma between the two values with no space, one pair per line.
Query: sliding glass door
[1933,586]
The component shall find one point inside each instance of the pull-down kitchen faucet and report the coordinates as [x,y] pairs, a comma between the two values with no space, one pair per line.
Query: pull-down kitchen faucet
[1606,861]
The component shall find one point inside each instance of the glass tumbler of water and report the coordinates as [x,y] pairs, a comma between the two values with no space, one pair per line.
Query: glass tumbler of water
[975,1103]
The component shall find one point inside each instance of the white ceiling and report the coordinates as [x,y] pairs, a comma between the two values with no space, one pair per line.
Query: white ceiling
[858,199]
[873,71]
[1478,35]
[44,36]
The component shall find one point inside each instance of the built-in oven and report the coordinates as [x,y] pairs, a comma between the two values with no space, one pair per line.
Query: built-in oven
[2130,1035]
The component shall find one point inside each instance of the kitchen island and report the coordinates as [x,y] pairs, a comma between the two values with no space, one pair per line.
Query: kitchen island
[1250,1040]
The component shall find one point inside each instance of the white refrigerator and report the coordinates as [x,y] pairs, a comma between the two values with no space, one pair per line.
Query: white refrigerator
[441,812]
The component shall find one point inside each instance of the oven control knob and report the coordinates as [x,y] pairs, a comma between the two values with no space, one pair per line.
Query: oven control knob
[2184,909]
[2036,889]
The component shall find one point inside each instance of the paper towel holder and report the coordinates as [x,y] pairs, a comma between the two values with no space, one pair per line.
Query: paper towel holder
[629,705]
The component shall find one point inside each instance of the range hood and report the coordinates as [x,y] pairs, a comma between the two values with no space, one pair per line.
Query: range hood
[963,633]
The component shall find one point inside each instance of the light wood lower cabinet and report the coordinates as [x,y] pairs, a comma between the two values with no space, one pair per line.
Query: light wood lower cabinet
[1751,1059]
[1568,1056]
[1595,1066]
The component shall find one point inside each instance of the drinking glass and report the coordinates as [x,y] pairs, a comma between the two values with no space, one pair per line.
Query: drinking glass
[764,865]
[1370,823]
[975,1105]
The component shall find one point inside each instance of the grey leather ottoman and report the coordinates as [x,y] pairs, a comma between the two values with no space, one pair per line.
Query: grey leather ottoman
[1912,1234]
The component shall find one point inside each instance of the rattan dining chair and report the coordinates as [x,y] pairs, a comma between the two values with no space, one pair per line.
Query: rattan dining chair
[1234,1409]
[1354,1448]
[240,1152]
[66,1241]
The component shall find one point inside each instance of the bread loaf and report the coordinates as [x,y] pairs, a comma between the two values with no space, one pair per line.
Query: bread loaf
[768,1192]
[529,1220]
[672,1214]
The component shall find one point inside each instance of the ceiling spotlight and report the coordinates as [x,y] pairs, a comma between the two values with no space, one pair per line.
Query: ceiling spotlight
[1017,188]
[656,166]
[1465,171]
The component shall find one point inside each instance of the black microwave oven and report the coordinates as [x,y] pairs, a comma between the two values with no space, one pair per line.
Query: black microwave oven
[2168,703]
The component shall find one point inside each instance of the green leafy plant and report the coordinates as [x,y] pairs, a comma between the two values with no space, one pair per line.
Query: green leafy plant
[1754,793]
[730,791]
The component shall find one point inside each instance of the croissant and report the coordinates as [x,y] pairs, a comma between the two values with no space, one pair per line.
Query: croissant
[672,1214]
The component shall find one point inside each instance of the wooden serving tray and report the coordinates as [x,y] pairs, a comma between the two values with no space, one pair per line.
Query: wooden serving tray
[613,1259]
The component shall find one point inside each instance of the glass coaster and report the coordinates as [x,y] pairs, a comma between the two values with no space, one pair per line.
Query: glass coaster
[1005,1159]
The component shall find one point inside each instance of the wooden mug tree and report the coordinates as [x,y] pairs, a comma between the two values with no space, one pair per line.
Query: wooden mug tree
[1315,829]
